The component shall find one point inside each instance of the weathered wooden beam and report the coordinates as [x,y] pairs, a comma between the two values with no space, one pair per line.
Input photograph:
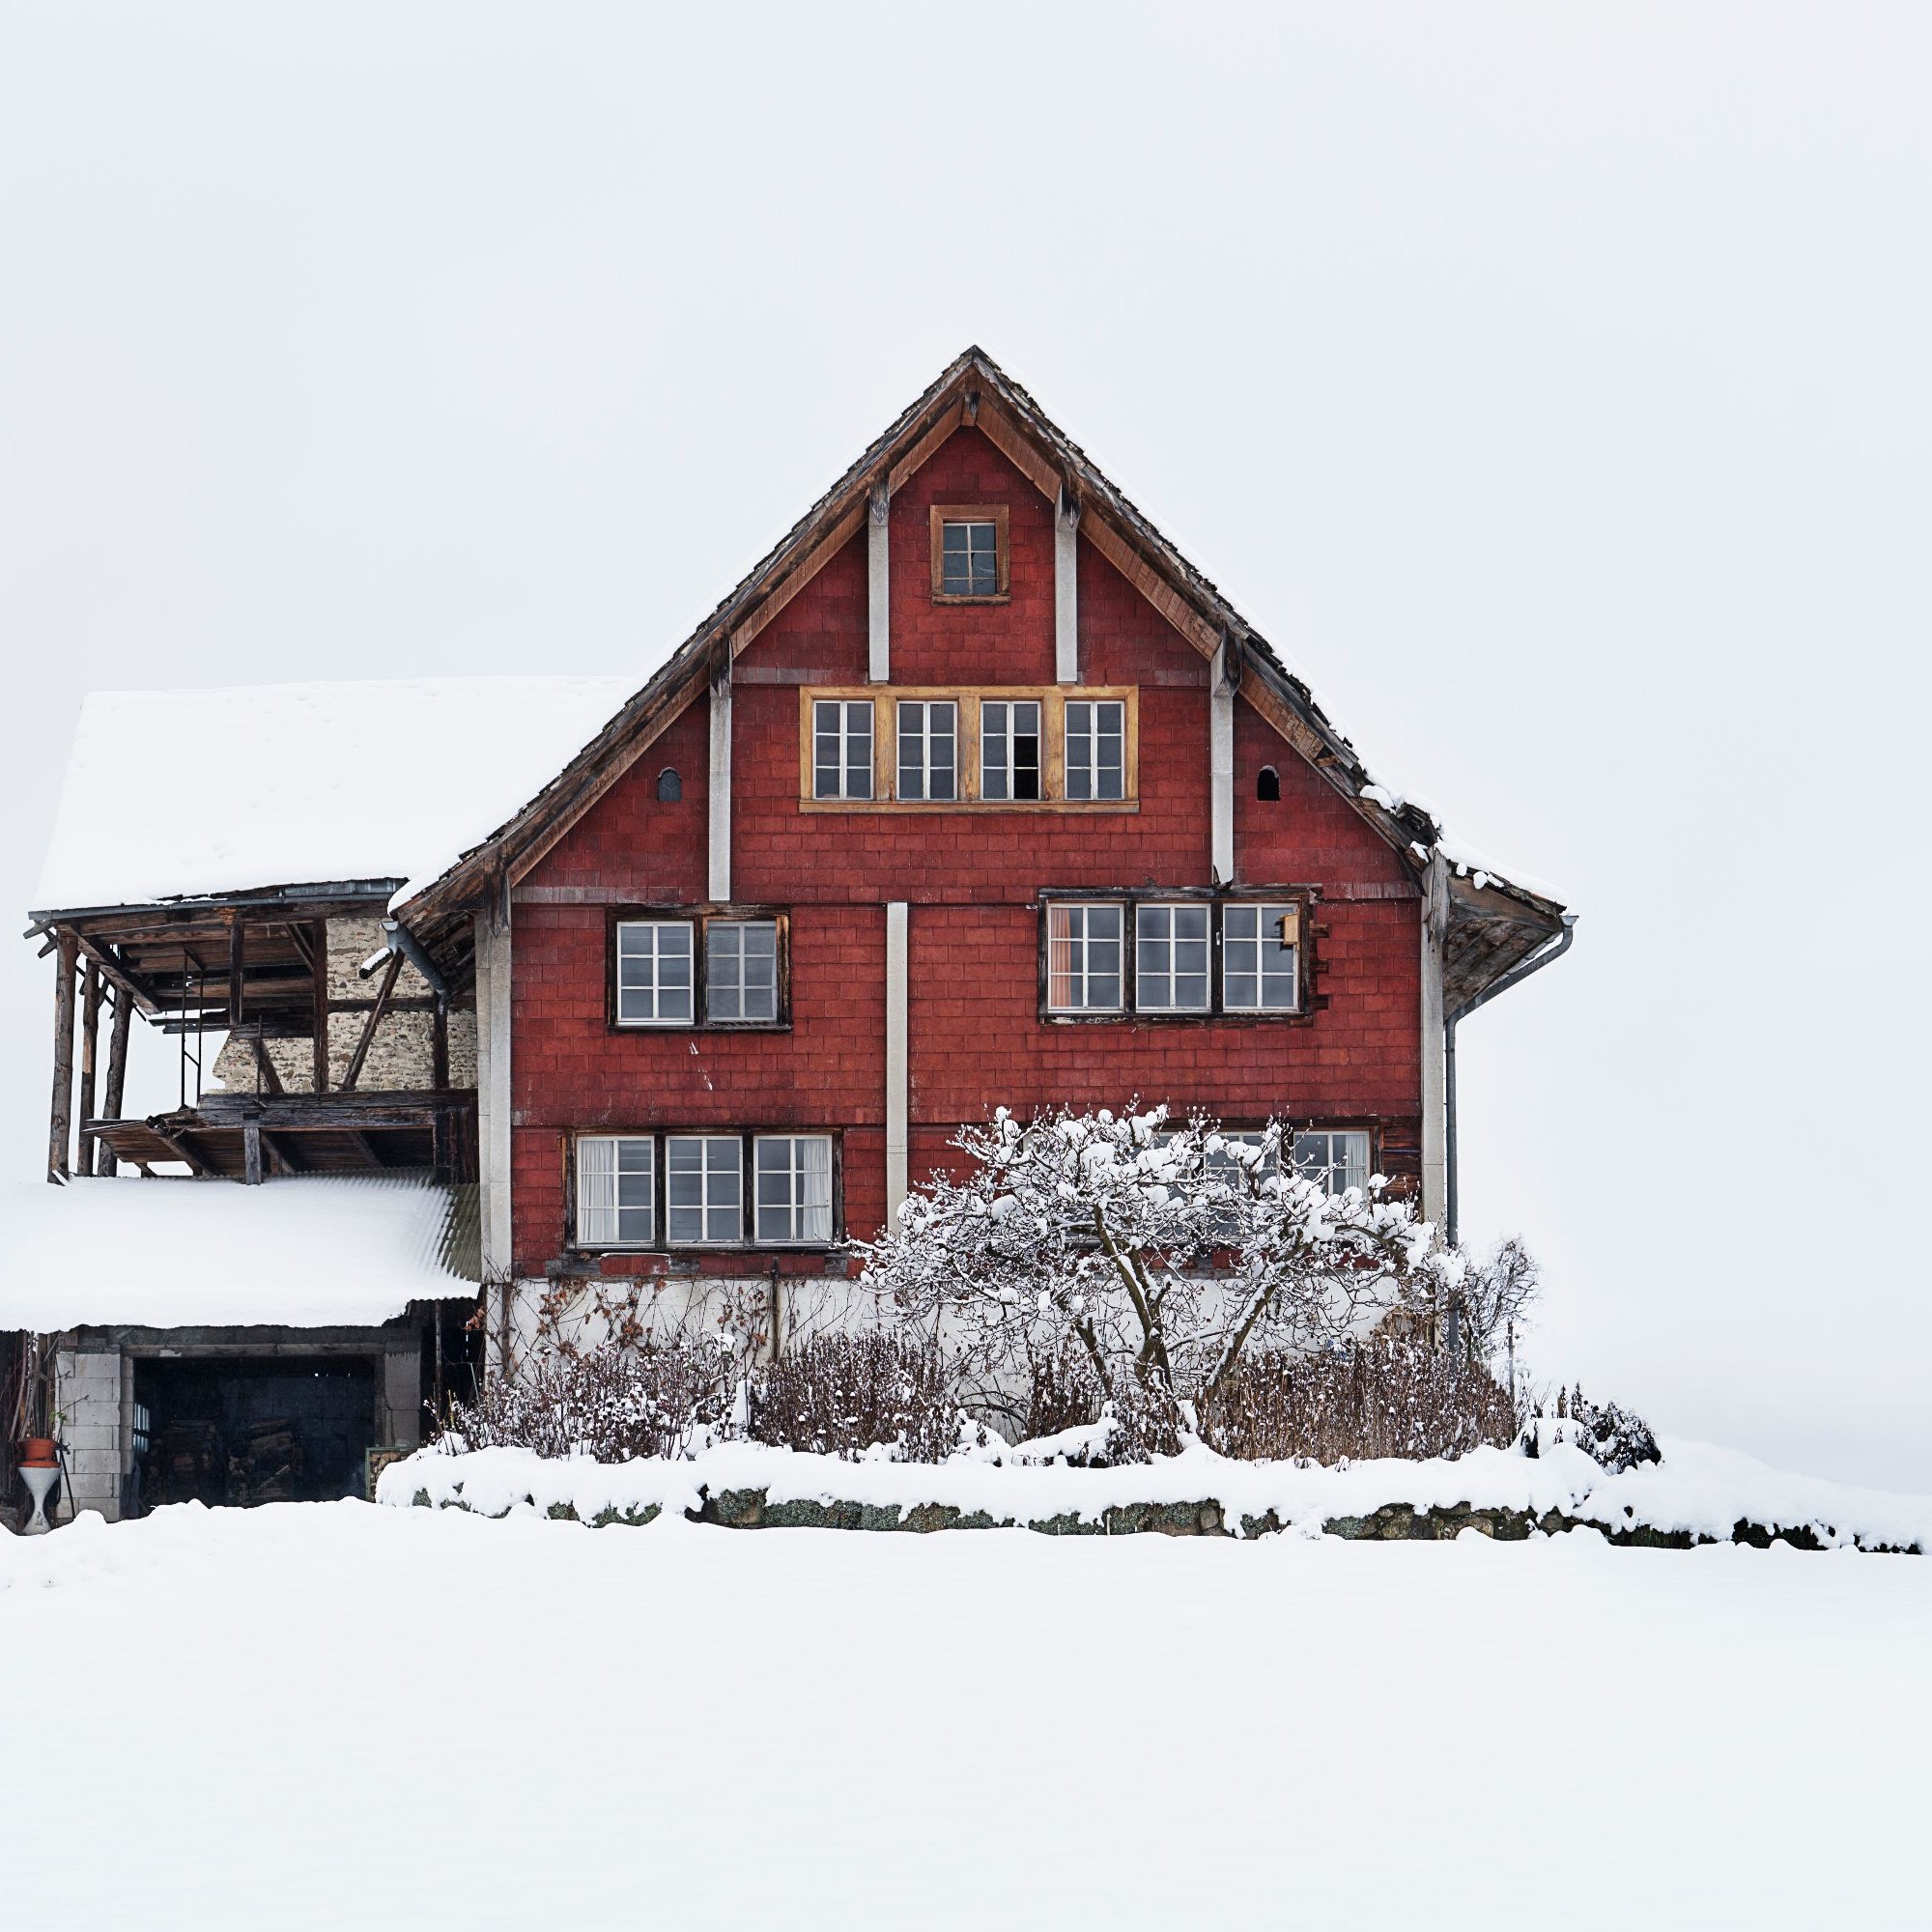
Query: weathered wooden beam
[90,1048]
[251,1155]
[117,1078]
[318,963]
[237,972]
[271,1080]
[283,1150]
[60,1116]
[439,1047]
[390,974]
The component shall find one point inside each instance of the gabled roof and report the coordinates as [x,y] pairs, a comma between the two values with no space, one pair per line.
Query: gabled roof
[1494,920]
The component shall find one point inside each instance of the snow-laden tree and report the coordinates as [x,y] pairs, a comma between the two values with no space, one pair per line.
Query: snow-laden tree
[1164,1254]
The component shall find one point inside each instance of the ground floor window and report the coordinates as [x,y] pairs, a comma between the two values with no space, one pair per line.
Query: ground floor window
[729,1189]
[705,1189]
[1338,1159]
[616,1192]
[794,1199]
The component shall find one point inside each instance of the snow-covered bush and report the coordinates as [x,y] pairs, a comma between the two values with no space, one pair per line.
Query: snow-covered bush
[839,1395]
[1617,1437]
[1142,1420]
[610,1402]
[1451,1295]
[1356,1401]
[1161,1256]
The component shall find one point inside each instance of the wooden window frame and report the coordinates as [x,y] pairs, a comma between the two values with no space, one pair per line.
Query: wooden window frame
[1052,699]
[1083,902]
[661,1242]
[995,514]
[700,917]
[1305,899]
[867,696]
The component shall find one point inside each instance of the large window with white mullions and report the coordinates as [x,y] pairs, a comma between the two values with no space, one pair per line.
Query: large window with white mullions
[1171,944]
[1336,1159]
[793,1204]
[654,972]
[705,1189]
[929,750]
[1259,950]
[1008,750]
[1085,958]
[841,752]
[1095,756]
[616,1191]
[741,970]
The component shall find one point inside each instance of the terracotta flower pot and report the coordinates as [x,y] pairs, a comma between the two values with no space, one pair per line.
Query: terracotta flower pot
[37,1452]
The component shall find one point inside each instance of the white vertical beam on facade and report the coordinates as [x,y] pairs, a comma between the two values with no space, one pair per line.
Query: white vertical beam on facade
[1067,590]
[898,1088]
[1221,766]
[493,1099]
[1434,1086]
[718,887]
[879,584]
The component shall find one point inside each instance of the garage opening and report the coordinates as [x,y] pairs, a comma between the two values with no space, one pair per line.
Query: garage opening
[287,1429]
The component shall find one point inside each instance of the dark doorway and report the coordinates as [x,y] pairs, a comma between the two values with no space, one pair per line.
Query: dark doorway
[288,1428]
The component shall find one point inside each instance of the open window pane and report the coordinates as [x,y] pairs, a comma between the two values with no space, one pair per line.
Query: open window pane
[615,1185]
[1171,958]
[654,958]
[741,970]
[1009,749]
[1259,958]
[1083,952]
[794,1188]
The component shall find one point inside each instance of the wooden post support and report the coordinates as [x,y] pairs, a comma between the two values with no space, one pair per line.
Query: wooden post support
[438,1046]
[319,979]
[90,1043]
[1066,589]
[237,983]
[116,1075]
[251,1155]
[61,1118]
[719,792]
[878,586]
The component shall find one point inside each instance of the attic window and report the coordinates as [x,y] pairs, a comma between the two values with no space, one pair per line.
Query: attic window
[670,787]
[1268,785]
[970,557]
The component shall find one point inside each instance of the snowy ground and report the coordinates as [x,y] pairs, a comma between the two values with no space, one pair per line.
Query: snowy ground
[335,1715]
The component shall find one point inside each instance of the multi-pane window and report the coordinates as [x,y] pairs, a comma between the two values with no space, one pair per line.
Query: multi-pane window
[794,1188]
[1095,748]
[928,737]
[1258,958]
[1084,958]
[704,1188]
[969,558]
[616,1192]
[741,969]
[654,959]
[1337,1160]
[842,747]
[1171,958]
[1009,748]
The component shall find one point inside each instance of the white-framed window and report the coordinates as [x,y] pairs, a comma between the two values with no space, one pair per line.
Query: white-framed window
[1337,1158]
[842,747]
[705,1189]
[1009,748]
[928,742]
[1084,957]
[1096,736]
[793,1203]
[1259,958]
[1171,958]
[654,961]
[741,969]
[969,558]
[616,1192]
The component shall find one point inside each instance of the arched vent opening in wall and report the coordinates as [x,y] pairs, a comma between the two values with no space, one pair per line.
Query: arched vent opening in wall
[1268,784]
[670,787]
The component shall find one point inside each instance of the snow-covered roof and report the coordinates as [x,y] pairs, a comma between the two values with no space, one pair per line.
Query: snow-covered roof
[308,1251]
[296,784]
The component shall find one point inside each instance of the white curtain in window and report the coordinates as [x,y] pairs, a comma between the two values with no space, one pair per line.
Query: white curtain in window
[1353,1150]
[815,1203]
[597,1192]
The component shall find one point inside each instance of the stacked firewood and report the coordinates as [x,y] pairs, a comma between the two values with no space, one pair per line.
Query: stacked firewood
[263,1462]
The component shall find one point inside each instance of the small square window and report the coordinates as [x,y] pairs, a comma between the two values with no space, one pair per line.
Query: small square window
[1097,731]
[1171,958]
[1009,748]
[928,740]
[616,1192]
[741,970]
[1083,951]
[654,973]
[842,747]
[1259,958]
[794,1197]
[705,1189]
[1336,1162]
[970,557]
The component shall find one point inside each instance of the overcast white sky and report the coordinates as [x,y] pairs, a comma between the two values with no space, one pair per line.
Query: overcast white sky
[1550,384]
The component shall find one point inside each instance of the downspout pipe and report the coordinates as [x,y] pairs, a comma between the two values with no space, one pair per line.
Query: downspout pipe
[1554,948]
[398,938]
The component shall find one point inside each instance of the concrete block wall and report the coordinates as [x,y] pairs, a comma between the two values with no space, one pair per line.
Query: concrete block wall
[94,1393]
